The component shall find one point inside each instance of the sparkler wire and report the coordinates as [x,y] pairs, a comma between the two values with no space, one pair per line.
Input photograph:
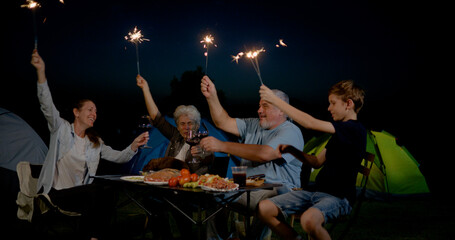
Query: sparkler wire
[137,59]
[35,29]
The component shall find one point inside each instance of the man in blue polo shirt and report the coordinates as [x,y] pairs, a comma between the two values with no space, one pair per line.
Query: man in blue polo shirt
[258,141]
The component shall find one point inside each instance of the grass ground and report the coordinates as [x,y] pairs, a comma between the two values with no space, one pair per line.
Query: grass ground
[410,219]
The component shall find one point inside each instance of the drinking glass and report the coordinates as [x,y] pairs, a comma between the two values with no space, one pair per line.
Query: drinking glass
[239,174]
[145,124]
[193,138]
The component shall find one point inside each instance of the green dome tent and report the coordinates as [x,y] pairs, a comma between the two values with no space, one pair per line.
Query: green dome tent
[395,172]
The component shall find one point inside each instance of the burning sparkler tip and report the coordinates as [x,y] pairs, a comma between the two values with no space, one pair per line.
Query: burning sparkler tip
[207,40]
[281,43]
[31,4]
[254,54]
[237,57]
[136,36]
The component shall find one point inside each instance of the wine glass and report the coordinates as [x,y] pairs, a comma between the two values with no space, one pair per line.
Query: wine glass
[193,139]
[145,124]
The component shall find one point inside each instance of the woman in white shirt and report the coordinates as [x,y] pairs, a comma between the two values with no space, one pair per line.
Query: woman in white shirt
[74,154]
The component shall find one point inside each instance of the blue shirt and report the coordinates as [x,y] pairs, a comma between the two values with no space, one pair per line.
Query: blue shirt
[285,170]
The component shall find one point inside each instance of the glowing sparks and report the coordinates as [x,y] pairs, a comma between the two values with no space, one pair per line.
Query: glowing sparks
[207,41]
[237,57]
[250,54]
[253,56]
[281,42]
[136,36]
[31,4]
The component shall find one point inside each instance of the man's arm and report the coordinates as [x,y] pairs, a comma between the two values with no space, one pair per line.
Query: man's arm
[252,152]
[219,115]
[311,160]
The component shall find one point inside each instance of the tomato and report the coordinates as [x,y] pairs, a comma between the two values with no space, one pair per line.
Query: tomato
[194,177]
[184,179]
[184,172]
[173,182]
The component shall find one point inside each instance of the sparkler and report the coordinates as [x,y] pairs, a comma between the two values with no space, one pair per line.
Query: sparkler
[253,56]
[237,57]
[207,40]
[136,37]
[281,42]
[32,5]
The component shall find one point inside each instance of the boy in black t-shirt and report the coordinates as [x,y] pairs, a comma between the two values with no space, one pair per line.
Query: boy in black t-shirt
[334,191]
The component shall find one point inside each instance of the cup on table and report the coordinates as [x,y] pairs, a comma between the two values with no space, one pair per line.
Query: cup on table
[239,174]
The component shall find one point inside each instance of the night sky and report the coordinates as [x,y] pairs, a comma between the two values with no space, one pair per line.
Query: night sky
[381,45]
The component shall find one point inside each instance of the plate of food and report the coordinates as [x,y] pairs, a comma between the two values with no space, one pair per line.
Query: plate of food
[133,178]
[233,188]
[256,180]
[156,183]
[256,183]
[161,177]
[210,182]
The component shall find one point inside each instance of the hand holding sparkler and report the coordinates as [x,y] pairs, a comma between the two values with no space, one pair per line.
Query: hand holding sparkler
[136,37]
[267,95]
[208,88]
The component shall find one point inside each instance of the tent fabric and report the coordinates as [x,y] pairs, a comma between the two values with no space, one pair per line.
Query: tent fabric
[402,173]
[19,142]
[158,144]
[395,171]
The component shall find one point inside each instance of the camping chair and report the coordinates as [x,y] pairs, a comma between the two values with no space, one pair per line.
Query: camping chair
[32,206]
[364,170]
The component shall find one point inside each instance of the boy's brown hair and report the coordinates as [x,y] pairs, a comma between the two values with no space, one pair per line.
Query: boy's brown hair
[346,89]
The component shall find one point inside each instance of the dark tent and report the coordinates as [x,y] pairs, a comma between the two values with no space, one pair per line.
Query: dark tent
[18,142]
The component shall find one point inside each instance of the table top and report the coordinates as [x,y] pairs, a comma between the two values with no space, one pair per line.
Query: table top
[117,178]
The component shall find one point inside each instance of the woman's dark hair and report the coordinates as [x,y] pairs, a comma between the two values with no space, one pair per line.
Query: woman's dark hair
[90,132]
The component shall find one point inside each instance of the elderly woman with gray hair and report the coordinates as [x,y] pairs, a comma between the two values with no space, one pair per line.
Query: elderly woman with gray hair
[186,118]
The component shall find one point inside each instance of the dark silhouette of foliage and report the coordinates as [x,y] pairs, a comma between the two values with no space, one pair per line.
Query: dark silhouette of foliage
[187,91]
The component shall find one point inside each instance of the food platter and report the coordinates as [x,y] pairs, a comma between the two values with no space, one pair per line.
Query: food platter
[219,190]
[133,178]
[156,183]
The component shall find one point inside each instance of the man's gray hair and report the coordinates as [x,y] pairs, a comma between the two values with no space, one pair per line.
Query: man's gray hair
[189,110]
[283,96]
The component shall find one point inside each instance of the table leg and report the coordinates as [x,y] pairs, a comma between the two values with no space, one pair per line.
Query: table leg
[200,223]
[247,220]
[181,211]
[137,203]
